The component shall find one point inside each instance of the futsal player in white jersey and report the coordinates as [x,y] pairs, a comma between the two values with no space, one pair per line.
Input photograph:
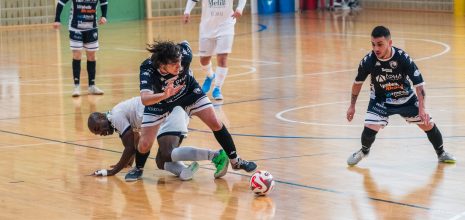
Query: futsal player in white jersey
[216,36]
[126,119]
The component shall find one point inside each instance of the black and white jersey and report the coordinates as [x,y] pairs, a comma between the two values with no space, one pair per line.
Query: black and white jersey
[152,80]
[83,13]
[390,78]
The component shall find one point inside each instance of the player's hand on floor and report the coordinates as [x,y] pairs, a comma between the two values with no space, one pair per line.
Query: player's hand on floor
[102,172]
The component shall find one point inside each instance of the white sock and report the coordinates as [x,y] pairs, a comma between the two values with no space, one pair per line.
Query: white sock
[221,73]
[187,153]
[174,167]
[207,70]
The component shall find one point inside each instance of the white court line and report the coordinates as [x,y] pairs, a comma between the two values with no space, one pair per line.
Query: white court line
[458,216]
[280,116]
[26,145]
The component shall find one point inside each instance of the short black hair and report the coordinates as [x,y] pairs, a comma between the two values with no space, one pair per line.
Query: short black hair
[164,52]
[381,31]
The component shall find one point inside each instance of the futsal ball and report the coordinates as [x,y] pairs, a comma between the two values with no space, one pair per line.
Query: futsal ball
[262,183]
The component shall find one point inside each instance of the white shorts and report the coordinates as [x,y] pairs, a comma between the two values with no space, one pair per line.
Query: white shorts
[176,121]
[213,46]
[156,114]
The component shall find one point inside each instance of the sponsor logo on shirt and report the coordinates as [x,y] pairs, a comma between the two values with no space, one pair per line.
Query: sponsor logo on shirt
[378,63]
[386,70]
[380,78]
[217,3]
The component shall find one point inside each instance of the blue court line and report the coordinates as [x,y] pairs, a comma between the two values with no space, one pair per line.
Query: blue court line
[278,181]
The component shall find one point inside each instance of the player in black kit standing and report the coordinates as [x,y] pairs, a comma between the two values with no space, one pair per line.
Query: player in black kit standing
[165,82]
[83,34]
[391,69]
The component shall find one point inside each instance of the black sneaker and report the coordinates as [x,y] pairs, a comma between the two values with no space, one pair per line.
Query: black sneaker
[241,164]
[134,174]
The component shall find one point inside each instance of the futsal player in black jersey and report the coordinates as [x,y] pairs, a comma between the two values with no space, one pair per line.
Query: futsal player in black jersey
[165,82]
[391,70]
[83,34]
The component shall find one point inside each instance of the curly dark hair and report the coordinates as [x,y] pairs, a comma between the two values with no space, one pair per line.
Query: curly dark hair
[164,52]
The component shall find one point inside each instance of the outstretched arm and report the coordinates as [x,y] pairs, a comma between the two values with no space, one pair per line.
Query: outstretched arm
[129,139]
[356,87]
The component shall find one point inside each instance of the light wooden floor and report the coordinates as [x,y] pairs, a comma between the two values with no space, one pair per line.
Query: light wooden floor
[286,97]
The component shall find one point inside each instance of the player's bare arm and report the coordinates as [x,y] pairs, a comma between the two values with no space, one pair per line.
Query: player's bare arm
[356,87]
[420,90]
[129,141]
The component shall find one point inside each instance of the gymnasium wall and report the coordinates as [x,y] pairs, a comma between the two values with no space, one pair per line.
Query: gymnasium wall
[28,12]
[417,5]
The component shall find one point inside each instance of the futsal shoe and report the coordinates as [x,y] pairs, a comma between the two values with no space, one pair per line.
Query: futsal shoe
[188,172]
[134,174]
[207,84]
[76,91]
[217,93]
[446,158]
[241,164]
[94,90]
[356,157]
[221,162]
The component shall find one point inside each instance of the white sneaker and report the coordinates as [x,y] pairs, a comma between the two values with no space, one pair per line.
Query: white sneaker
[356,157]
[94,90]
[76,91]
[188,172]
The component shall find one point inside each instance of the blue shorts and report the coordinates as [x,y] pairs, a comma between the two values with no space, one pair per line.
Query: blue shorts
[378,112]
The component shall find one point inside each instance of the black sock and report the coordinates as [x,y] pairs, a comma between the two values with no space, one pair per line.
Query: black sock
[76,71]
[224,138]
[141,159]
[368,137]
[435,137]
[91,72]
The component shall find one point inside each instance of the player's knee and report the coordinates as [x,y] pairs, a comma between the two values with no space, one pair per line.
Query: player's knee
[144,146]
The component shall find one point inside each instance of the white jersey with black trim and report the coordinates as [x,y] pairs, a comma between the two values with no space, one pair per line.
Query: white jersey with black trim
[127,114]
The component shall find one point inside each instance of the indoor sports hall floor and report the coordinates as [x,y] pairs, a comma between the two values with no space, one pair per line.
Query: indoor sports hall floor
[285,103]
